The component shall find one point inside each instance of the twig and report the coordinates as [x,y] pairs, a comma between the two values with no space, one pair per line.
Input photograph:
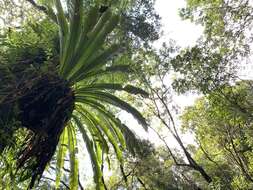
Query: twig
[62,182]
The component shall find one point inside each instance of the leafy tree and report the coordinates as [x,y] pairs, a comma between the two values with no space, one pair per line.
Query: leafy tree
[226,23]
[214,61]
[140,23]
[154,73]
[223,133]
[151,168]
[202,69]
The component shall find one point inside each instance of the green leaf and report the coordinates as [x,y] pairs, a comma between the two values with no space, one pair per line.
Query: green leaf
[93,128]
[74,34]
[115,86]
[111,99]
[97,39]
[131,140]
[63,24]
[72,147]
[102,123]
[122,69]
[60,156]
[112,125]
[90,147]
[96,61]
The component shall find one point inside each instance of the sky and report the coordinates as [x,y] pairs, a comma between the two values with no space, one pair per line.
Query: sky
[184,33]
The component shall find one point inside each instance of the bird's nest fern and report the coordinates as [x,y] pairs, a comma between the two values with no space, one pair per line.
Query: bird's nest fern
[51,111]
[46,104]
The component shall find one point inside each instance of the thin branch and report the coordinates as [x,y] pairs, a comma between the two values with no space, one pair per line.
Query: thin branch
[62,182]
[124,178]
[142,183]
[67,170]
[38,7]
[167,146]
[79,183]
[192,163]
[241,163]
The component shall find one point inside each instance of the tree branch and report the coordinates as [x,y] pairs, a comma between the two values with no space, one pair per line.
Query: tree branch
[39,7]
[62,182]
[141,182]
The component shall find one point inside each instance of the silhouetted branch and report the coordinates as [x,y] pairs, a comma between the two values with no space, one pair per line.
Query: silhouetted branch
[62,182]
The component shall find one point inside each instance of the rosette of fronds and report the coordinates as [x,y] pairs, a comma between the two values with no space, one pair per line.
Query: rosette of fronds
[55,106]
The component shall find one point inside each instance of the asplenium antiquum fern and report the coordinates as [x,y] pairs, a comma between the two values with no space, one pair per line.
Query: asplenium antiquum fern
[75,100]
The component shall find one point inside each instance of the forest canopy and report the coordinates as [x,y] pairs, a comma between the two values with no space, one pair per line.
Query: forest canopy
[82,83]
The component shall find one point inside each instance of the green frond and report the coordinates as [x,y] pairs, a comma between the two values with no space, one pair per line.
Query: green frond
[61,153]
[95,42]
[90,147]
[115,124]
[62,21]
[90,20]
[75,29]
[72,147]
[93,128]
[113,100]
[132,142]
[129,139]
[100,24]
[96,61]
[63,25]
[114,86]
[102,123]
[117,69]
[113,121]
[80,40]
